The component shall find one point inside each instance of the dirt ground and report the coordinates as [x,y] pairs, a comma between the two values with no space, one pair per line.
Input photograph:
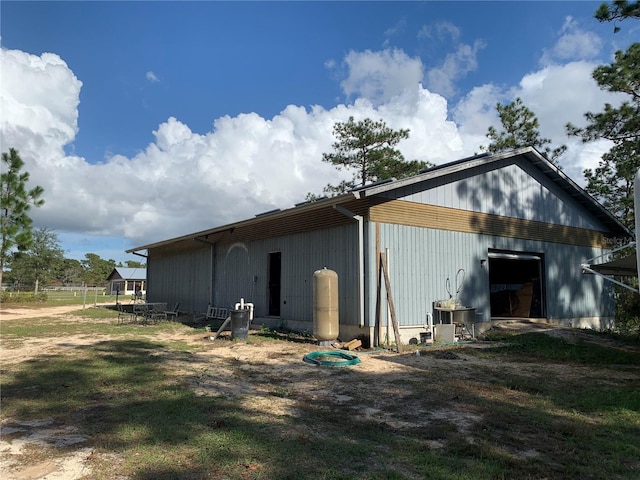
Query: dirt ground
[265,360]
[15,313]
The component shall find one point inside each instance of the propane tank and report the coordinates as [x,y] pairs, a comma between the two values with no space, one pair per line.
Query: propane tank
[325,305]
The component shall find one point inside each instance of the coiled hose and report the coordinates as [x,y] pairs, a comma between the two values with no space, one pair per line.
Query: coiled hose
[331,358]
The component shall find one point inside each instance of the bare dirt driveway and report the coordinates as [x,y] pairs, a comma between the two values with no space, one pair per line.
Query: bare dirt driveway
[15,313]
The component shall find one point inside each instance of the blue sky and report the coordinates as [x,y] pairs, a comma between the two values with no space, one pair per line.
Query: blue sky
[148,120]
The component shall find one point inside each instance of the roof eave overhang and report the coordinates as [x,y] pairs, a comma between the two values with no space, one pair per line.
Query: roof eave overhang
[300,208]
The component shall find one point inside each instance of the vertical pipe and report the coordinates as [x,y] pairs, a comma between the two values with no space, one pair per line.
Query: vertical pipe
[378,320]
[361,267]
[212,272]
[360,221]
[386,266]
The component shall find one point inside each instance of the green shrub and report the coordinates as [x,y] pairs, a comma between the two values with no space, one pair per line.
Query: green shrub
[627,312]
[23,297]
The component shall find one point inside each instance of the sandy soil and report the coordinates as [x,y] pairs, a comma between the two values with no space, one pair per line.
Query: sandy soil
[213,367]
[15,313]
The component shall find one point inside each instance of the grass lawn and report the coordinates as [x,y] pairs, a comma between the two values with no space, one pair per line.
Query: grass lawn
[54,298]
[156,402]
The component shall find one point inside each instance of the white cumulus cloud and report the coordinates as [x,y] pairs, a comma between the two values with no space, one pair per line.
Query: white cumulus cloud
[39,101]
[380,76]
[152,77]
[184,181]
[455,66]
[573,44]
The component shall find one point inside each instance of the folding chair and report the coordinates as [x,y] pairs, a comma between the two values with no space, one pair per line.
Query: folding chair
[158,312]
[123,314]
[140,310]
[175,313]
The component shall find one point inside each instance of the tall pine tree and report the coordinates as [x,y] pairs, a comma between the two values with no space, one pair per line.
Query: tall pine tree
[616,11]
[520,129]
[611,182]
[368,150]
[15,202]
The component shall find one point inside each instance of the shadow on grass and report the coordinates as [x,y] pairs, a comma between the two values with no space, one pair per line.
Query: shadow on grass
[119,393]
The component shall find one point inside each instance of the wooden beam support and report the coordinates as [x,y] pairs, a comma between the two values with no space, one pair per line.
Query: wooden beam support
[392,309]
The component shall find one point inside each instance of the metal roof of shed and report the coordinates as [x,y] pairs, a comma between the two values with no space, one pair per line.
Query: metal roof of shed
[124,273]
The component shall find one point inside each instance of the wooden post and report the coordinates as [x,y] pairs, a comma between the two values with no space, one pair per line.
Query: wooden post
[394,320]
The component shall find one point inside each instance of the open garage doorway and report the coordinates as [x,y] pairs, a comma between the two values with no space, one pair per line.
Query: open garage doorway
[516,284]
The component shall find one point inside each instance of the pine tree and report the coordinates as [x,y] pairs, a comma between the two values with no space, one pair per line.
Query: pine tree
[618,10]
[521,129]
[15,202]
[367,148]
[611,182]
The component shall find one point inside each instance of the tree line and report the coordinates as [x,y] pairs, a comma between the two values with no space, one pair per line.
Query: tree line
[43,264]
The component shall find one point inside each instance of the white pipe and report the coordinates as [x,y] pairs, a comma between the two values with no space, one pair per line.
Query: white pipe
[587,268]
[360,221]
[429,327]
[243,306]
[361,266]
[387,264]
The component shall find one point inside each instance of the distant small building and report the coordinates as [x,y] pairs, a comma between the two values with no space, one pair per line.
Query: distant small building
[128,281]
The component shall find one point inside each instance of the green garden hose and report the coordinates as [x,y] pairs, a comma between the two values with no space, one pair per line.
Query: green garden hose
[331,358]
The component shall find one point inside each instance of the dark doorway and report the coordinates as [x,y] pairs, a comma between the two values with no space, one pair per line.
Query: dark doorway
[516,284]
[275,268]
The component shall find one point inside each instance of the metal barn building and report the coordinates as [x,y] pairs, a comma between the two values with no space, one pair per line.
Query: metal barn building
[505,234]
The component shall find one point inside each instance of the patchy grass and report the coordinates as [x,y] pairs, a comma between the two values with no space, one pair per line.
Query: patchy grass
[50,298]
[532,407]
[91,321]
[541,345]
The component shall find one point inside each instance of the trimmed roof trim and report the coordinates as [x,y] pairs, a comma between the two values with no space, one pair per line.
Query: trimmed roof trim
[259,218]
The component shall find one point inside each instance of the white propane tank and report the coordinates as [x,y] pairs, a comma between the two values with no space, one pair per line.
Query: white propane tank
[325,305]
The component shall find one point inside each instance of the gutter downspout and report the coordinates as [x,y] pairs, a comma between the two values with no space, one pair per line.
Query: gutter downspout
[360,221]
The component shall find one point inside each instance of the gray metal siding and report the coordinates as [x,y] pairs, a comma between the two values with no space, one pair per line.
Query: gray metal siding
[182,277]
[422,259]
[242,272]
[516,190]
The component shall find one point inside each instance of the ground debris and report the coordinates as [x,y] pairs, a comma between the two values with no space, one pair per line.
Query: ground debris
[446,355]
[352,345]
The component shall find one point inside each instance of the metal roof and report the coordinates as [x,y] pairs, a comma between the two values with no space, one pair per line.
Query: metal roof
[128,273]
[624,267]
[260,218]
[529,153]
